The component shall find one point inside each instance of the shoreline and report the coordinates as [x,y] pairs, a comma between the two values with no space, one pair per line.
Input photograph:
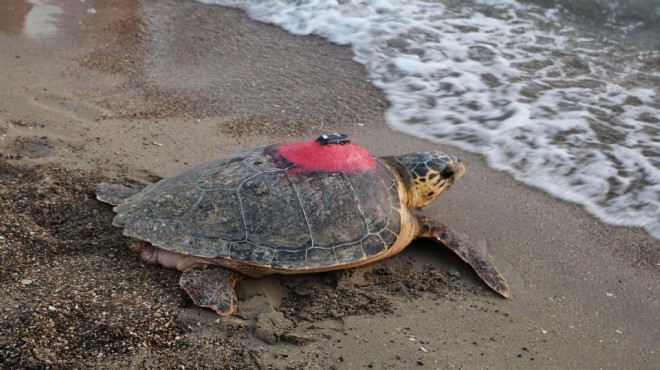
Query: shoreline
[583,291]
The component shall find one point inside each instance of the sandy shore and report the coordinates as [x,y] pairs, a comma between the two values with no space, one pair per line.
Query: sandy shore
[136,91]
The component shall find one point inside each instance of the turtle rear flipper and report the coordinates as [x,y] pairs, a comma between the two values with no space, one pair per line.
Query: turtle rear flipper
[467,251]
[112,193]
[213,288]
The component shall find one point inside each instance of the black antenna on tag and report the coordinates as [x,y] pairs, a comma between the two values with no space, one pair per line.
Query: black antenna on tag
[338,139]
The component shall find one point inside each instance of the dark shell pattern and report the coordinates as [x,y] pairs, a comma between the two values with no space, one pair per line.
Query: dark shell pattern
[258,208]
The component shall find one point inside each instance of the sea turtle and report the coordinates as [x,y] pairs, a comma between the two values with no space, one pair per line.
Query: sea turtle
[292,208]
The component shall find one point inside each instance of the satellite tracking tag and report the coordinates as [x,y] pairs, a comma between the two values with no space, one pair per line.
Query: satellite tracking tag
[341,139]
[320,156]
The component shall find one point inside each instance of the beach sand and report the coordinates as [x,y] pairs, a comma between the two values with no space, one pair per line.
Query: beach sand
[135,91]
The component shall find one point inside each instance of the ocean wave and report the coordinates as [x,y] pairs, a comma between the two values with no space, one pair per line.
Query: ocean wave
[573,113]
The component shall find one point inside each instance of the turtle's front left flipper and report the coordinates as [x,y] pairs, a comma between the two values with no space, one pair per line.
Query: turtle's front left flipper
[467,250]
[213,288]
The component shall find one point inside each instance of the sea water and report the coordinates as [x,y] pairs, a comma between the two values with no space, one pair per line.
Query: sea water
[561,94]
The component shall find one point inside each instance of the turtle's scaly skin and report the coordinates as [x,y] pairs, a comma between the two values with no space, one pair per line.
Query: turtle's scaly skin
[260,209]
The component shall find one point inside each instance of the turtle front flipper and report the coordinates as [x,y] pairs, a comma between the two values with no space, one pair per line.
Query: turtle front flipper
[467,251]
[112,193]
[212,288]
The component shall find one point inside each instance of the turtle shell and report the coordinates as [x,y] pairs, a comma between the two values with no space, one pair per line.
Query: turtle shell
[270,207]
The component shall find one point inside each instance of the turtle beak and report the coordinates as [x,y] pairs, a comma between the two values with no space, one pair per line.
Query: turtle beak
[459,168]
[453,170]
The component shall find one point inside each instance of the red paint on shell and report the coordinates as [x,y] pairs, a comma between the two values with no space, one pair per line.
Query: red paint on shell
[312,156]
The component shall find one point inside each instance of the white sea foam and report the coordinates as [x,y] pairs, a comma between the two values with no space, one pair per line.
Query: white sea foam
[570,112]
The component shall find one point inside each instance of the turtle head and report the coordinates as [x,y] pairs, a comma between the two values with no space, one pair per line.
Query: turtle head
[427,175]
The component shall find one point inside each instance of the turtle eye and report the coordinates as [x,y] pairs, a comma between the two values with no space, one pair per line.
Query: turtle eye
[447,172]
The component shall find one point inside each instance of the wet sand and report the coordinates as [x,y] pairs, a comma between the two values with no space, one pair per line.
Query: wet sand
[135,91]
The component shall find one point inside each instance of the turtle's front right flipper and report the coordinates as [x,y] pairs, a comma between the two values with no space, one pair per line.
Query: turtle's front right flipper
[467,251]
[212,288]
